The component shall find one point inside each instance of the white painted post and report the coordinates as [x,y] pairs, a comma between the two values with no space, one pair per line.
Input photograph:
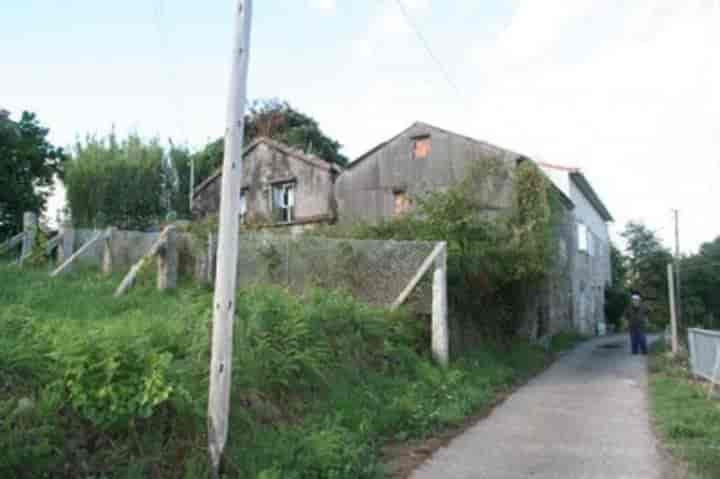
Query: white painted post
[67,242]
[168,263]
[227,257]
[107,260]
[440,340]
[30,225]
[673,313]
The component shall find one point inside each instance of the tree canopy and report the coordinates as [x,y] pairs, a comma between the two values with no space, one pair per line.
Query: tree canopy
[701,283]
[647,261]
[280,121]
[28,163]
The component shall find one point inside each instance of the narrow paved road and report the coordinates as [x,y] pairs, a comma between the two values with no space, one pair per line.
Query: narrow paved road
[586,417]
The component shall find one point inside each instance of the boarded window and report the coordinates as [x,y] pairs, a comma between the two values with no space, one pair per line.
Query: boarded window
[421,147]
[283,202]
[402,203]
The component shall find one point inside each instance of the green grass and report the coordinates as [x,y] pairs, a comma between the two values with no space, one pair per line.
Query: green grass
[94,386]
[688,422]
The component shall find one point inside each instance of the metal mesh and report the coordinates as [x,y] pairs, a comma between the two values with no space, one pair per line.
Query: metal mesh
[374,271]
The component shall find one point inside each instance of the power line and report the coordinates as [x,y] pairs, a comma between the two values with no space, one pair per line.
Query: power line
[427,47]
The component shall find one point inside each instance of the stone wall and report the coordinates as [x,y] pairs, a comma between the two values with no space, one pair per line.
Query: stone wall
[366,190]
[265,163]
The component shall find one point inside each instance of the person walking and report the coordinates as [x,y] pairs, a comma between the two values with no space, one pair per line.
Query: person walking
[637,317]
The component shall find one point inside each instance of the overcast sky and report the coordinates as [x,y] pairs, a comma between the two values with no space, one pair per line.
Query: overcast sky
[629,91]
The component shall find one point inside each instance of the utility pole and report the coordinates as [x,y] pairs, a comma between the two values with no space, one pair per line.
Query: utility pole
[673,309]
[192,182]
[227,257]
[676,215]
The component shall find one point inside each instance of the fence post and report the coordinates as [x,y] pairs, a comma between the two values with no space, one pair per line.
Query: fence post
[67,241]
[673,313]
[440,345]
[30,224]
[107,259]
[168,262]
[693,352]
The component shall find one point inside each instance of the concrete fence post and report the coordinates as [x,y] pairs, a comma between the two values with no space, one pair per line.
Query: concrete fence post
[440,338]
[107,258]
[67,242]
[30,225]
[168,262]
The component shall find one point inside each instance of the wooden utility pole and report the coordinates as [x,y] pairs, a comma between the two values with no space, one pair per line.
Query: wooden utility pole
[227,258]
[678,299]
[192,182]
[673,312]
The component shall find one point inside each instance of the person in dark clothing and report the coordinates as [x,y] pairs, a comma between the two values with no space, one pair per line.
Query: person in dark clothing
[636,315]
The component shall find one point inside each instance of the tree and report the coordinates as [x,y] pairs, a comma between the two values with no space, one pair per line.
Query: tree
[279,121]
[647,261]
[28,164]
[126,184]
[701,283]
[617,296]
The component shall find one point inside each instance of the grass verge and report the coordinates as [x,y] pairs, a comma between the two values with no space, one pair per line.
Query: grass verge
[687,420]
[94,386]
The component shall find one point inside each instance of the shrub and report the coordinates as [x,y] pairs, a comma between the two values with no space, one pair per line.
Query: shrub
[112,382]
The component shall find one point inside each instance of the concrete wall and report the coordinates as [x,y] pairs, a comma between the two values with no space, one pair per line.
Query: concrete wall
[266,163]
[591,272]
[365,191]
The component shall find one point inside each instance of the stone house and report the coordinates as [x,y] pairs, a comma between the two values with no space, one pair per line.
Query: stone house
[381,184]
[282,188]
[591,254]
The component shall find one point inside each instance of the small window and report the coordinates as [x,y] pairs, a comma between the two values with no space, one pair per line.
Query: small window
[582,234]
[421,147]
[243,206]
[402,203]
[283,202]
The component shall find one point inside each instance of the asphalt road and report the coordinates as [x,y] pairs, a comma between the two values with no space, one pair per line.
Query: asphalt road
[584,418]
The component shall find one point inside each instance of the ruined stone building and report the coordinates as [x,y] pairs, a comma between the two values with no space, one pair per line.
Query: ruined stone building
[283,188]
[381,184]
[286,189]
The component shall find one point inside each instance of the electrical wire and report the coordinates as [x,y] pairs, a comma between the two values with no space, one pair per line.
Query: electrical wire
[427,47]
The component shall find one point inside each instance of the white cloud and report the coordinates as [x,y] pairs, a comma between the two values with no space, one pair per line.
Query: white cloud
[629,92]
[324,5]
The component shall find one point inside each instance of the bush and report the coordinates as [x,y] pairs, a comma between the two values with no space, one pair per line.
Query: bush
[617,299]
[494,259]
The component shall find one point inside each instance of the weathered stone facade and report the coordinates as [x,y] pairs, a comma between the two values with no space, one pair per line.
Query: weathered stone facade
[368,190]
[371,187]
[277,175]
[591,270]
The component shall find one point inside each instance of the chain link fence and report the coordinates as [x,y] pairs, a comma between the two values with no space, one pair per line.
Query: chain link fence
[374,271]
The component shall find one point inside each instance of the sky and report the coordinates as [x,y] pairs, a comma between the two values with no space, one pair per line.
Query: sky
[628,91]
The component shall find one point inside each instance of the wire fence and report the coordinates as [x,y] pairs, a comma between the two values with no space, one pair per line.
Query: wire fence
[374,271]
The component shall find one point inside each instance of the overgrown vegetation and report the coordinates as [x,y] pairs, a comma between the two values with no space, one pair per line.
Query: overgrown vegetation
[495,260]
[688,421]
[96,386]
[124,183]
